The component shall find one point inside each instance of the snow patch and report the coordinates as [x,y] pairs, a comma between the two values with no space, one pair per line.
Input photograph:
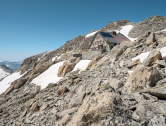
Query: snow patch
[53,59]
[143,56]
[5,83]
[3,73]
[49,76]
[90,34]
[82,65]
[129,72]
[164,30]
[125,31]
[163,52]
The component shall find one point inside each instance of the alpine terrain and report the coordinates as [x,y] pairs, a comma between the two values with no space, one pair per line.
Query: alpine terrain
[4,71]
[125,86]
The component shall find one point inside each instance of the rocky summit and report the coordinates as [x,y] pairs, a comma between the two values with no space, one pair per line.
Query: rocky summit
[122,87]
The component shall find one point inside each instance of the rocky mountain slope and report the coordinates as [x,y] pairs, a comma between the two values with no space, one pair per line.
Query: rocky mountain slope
[123,87]
[4,71]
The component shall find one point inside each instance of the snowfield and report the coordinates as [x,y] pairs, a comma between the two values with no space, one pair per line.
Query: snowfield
[90,34]
[3,73]
[125,31]
[82,65]
[5,83]
[143,56]
[49,76]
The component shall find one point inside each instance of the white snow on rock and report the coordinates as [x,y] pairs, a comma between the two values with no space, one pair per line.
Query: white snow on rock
[164,30]
[49,76]
[163,51]
[90,34]
[53,59]
[125,31]
[143,56]
[5,83]
[3,73]
[82,65]
[129,72]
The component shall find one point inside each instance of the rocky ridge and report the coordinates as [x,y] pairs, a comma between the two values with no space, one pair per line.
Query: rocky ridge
[113,90]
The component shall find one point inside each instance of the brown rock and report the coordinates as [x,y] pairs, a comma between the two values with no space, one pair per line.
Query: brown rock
[150,40]
[142,78]
[68,68]
[92,62]
[40,68]
[65,68]
[62,90]
[153,56]
[34,108]
[20,82]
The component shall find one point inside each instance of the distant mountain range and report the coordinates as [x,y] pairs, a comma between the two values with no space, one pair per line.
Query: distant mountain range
[12,65]
[4,71]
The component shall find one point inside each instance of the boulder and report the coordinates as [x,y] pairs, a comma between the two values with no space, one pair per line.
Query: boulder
[158,91]
[65,68]
[40,68]
[153,56]
[20,82]
[161,63]
[96,108]
[92,62]
[62,90]
[150,39]
[146,110]
[34,108]
[142,78]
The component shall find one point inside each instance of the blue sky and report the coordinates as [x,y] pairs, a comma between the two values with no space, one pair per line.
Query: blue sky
[29,27]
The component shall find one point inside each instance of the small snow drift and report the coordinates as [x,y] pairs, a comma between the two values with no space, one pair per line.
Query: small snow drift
[49,76]
[53,59]
[164,30]
[5,83]
[143,56]
[90,34]
[125,31]
[82,65]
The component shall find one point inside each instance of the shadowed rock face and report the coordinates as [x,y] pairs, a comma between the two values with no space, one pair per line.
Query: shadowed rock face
[113,90]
